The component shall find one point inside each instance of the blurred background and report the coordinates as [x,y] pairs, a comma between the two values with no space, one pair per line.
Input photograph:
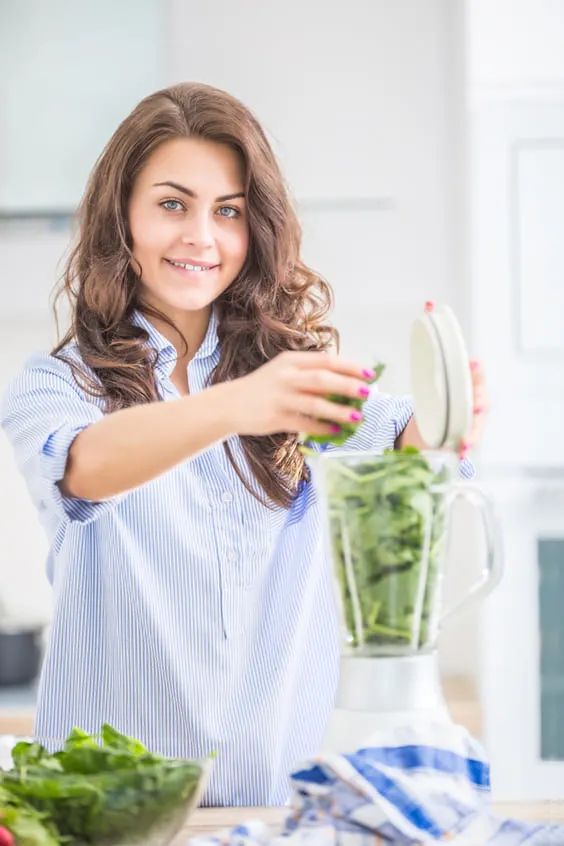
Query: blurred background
[423,141]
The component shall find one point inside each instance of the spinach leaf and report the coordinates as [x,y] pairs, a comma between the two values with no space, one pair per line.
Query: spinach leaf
[347,429]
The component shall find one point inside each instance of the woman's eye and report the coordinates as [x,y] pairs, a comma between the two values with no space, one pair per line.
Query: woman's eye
[228,211]
[172,205]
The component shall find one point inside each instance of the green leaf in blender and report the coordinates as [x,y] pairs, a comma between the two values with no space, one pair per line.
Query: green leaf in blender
[387,525]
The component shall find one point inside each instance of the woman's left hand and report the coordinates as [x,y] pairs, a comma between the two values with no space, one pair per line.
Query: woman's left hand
[481,406]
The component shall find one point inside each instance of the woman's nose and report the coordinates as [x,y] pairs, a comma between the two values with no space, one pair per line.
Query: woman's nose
[198,230]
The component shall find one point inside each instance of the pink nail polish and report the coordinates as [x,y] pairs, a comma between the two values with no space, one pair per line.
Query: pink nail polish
[335,428]
[368,374]
[474,364]
[429,306]
[364,392]
[355,417]
[479,409]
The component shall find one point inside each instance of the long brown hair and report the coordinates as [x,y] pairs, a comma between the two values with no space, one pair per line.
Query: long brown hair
[275,304]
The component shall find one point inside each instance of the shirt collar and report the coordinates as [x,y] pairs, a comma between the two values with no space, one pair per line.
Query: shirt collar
[166,350]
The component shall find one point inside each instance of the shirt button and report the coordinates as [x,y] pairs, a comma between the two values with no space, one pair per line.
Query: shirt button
[227,496]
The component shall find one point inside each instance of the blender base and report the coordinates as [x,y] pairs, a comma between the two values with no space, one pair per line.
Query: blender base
[383,692]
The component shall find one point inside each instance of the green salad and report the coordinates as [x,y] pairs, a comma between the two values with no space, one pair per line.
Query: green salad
[387,525]
[105,789]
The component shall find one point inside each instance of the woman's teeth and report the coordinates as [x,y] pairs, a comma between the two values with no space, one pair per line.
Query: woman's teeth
[196,267]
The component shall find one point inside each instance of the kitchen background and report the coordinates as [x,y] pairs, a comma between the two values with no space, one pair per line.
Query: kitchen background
[424,144]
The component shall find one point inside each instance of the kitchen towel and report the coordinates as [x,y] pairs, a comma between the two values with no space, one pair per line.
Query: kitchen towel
[413,785]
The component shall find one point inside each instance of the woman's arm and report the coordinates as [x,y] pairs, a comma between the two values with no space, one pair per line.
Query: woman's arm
[77,461]
[132,446]
[411,437]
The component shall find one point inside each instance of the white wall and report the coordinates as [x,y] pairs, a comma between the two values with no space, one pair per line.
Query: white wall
[366,108]
[24,591]
[30,261]
[361,108]
[515,44]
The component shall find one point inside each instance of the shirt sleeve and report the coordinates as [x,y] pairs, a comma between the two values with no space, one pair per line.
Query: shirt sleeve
[42,412]
[384,419]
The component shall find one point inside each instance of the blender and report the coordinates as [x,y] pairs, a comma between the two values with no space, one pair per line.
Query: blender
[388,520]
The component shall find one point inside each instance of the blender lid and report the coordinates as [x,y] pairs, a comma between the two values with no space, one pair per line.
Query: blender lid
[441,381]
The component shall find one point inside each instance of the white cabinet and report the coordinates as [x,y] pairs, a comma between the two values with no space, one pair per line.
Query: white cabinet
[523,642]
[70,73]
[518,330]
[517,277]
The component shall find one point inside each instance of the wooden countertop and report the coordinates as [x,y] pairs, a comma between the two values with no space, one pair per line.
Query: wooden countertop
[209,820]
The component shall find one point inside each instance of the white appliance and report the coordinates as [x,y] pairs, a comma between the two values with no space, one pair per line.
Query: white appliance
[388,520]
[522,653]
[387,526]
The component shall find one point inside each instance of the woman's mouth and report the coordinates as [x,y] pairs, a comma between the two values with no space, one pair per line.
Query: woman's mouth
[191,267]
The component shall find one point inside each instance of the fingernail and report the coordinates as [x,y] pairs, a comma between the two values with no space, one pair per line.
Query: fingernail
[335,428]
[368,374]
[474,364]
[464,447]
[479,409]
[429,306]
[355,416]
[364,392]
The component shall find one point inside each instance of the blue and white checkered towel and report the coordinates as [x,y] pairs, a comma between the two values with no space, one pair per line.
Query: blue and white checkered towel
[429,784]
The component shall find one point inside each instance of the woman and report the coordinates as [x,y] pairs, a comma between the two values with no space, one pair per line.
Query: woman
[192,602]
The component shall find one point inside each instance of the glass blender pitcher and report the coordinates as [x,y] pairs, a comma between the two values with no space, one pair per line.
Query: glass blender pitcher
[388,524]
[388,521]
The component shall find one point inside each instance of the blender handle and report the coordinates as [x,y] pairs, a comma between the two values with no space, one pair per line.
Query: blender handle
[493,567]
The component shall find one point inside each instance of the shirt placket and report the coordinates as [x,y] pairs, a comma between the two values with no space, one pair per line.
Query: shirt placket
[227,524]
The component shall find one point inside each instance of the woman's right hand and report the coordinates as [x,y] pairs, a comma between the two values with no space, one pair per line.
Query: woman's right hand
[289,394]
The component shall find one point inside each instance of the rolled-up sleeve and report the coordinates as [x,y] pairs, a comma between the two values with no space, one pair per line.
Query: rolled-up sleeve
[42,412]
[385,418]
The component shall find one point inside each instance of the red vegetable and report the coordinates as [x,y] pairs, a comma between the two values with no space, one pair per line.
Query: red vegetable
[6,837]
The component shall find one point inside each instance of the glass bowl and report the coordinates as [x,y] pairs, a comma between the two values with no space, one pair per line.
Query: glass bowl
[146,805]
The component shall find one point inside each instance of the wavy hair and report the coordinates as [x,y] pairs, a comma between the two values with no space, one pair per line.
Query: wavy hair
[275,304]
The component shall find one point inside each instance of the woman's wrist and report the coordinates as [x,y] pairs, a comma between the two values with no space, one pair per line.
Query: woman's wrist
[218,410]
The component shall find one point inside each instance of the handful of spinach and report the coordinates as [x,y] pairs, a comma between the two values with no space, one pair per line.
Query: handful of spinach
[113,792]
[388,533]
[347,429]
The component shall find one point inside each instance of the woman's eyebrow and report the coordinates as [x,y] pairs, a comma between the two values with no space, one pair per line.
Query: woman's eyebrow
[190,193]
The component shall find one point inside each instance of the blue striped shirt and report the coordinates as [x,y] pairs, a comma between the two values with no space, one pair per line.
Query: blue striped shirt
[186,613]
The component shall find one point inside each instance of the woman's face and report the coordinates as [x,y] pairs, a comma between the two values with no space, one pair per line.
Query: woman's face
[188,221]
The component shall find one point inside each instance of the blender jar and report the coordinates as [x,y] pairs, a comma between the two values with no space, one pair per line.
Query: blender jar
[387,522]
